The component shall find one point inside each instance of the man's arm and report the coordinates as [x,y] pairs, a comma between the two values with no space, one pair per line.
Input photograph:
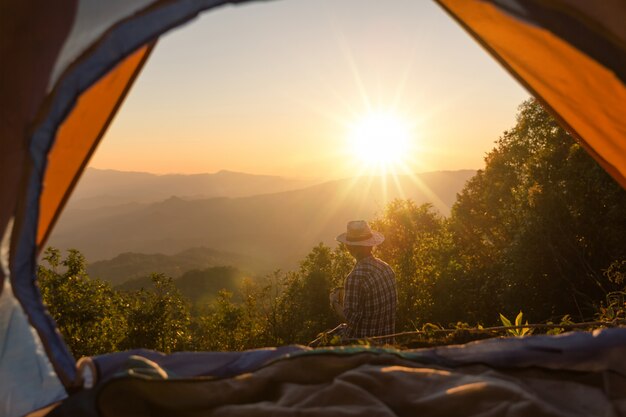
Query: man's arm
[353,300]
[339,311]
[335,303]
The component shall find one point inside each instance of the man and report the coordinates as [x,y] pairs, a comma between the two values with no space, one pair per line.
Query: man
[369,293]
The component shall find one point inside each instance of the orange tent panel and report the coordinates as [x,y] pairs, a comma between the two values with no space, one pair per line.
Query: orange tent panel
[79,136]
[588,98]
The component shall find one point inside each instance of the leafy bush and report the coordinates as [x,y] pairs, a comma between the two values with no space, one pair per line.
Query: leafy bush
[88,312]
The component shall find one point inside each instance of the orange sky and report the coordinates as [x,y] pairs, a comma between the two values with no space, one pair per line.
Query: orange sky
[273,87]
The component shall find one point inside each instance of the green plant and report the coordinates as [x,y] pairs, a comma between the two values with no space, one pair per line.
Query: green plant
[88,312]
[461,325]
[615,307]
[566,320]
[518,322]
[430,329]
[616,272]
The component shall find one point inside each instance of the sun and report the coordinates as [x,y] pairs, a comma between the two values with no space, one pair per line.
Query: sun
[380,140]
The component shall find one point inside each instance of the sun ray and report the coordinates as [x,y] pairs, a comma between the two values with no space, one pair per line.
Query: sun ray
[383,183]
[325,111]
[355,72]
[325,217]
[396,181]
[437,202]
[403,80]
[381,141]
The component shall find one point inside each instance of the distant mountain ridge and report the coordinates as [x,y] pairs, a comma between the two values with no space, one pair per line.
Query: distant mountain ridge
[277,229]
[130,266]
[105,187]
[197,285]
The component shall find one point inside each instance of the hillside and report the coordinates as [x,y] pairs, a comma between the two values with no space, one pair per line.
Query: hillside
[129,266]
[105,187]
[198,285]
[276,228]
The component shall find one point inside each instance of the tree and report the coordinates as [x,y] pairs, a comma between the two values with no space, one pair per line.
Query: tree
[88,312]
[303,306]
[416,247]
[535,229]
[157,319]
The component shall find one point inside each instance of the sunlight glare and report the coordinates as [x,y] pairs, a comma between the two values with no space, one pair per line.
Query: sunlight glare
[380,140]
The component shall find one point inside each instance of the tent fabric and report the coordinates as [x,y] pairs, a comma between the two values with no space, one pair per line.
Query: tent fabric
[67,56]
[365,385]
[32,35]
[119,40]
[574,351]
[577,24]
[93,20]
[79,135]
[574,374]
[30,42]
[570,59]
[24,366]
[191,364]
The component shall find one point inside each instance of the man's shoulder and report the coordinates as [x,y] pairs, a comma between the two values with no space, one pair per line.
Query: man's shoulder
[381,264]
[363,268]
[380,261]
[372,265]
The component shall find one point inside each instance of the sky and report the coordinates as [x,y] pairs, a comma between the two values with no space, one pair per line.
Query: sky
[280,87]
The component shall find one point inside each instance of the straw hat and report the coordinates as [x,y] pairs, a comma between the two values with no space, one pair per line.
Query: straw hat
[359,234]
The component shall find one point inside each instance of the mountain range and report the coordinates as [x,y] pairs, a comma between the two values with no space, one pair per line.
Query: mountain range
[107,187]
[200,286]
[131,266]
[270,230]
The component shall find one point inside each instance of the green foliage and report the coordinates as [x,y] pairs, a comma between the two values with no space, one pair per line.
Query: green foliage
[130,266]
[223,328]
[536,228]
[616,273]
[566,320]
[614,308]
[430,328]
[416,245]
[87,311]
[203,285]
[157,319]
[95,319]
[302,308]
[518,322]
[282,308]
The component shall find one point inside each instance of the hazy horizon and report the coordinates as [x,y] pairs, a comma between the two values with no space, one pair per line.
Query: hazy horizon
[240,214]
[224,170]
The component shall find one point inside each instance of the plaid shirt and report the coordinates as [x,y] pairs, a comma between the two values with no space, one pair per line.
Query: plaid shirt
[370,299]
